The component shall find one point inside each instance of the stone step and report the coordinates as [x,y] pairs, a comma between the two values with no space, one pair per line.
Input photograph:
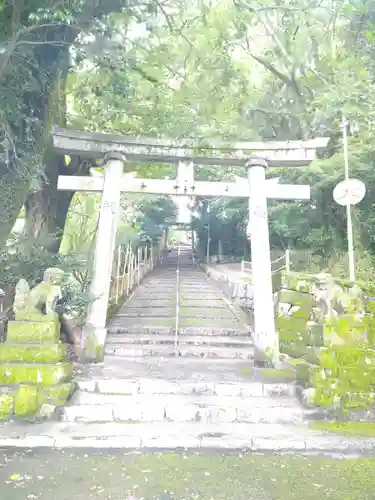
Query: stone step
[145,312]
[172,437]
[154,295]
[189,321]
[243,341]
[138,303]
[91,407]
[199,296]
[114,329]
[218,303]
[205,314]
[187,350]
[185,387]
[174,369]
[143,322]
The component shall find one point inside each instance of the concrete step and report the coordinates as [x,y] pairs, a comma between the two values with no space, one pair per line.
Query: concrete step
[220,341]
[185,387]
[91,407]
[200,351]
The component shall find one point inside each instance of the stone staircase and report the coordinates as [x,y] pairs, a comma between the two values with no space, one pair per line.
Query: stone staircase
[178,375]
[193,388]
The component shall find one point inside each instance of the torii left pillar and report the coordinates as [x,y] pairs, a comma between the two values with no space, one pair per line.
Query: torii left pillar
[94,332]
[266,341]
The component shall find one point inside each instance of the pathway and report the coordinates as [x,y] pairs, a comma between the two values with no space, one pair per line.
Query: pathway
[196,389]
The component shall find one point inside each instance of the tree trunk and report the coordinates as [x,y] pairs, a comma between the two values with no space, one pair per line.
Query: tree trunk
[13,191]
[47,208]
[41,106]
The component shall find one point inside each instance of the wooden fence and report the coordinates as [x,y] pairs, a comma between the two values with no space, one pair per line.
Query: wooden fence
[129,268]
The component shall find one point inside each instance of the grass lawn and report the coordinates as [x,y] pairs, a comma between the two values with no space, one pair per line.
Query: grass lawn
[79,475]
[363,429]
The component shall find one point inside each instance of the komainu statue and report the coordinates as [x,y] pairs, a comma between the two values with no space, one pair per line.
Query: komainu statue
[41,300]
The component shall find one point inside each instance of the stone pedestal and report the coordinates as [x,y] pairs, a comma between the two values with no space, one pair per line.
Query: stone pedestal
[34,367]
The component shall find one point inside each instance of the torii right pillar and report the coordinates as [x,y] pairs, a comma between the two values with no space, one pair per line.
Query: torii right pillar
[266,341]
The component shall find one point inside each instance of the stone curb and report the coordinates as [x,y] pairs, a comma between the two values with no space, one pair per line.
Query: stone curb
[317,444]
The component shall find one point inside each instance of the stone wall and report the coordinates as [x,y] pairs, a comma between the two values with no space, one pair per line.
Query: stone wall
[239,292]
[328,326]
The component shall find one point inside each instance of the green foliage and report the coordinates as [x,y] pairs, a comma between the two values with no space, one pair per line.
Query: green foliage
[75,299]
[154,218]
[236,71]
[30,261]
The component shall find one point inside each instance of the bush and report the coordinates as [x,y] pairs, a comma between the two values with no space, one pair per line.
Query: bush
[75,300]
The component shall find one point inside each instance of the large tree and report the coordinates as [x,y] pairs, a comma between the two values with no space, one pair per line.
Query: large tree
[37,37]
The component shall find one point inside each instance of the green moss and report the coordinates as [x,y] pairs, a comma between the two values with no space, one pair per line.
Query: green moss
[336,356]
[289,328]
[38,374]
[247,370]
[276,281]
[295,298]
[6,406]
[297,281]
[365,429]
[28,353]
[294,361]
[300,349]
[308,375]
[26,401]
[284,374]
[34,316]
[315,334]
[99,353]
[348,328]
[57,395]
[33,331]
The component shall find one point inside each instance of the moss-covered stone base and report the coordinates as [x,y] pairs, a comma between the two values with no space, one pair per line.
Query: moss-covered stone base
[33,366]
[34,331]
[26,400]
[32,353]
[38,374]
[6,405]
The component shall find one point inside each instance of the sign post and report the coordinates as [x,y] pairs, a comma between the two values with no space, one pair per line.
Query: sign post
[349,192]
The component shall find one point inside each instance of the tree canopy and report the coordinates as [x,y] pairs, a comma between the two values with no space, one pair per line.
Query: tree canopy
[238,69]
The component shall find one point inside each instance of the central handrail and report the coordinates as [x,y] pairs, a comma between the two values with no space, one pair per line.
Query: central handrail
[177,313]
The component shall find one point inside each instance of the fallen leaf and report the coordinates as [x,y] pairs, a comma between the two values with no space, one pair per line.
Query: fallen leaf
[15,477]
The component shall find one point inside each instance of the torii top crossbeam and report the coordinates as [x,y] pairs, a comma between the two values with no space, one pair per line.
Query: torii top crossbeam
[200,152]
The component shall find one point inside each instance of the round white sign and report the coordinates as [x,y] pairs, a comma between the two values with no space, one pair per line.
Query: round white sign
[349,192]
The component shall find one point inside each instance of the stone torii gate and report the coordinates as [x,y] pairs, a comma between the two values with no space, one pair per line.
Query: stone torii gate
[256,157]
